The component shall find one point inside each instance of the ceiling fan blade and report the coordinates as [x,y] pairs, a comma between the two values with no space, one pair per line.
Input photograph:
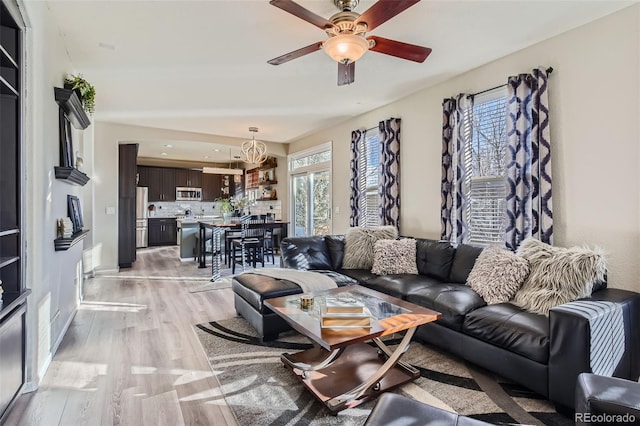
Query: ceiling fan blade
[296,54]
[346,73]
[302,13]
[382,11]
[399,49]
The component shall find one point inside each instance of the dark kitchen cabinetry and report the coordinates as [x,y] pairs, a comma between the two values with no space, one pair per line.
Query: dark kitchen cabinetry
[143,176]
[127,170]
[162,184]
[12,274]
[162,232]
[188,178]
[210,187]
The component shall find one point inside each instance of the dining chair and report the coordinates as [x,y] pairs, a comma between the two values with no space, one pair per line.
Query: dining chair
[250,246]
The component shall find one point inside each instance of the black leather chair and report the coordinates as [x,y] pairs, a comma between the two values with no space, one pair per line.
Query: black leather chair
[602,400]
[396,410]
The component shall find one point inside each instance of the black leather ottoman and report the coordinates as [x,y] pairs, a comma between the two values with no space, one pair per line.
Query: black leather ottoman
[251,289]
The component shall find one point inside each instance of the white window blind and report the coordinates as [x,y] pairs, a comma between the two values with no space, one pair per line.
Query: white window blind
[368,178]
[487,191]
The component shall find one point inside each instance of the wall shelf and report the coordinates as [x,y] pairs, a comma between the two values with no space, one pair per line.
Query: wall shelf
[71,175]
[62,244]
[72,106]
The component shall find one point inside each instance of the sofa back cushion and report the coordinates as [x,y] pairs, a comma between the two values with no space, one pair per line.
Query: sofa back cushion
[335,245]
[305,253]
[434,258]
[463,262]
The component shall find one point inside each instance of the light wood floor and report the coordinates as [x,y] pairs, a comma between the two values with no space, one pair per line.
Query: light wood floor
[131,357]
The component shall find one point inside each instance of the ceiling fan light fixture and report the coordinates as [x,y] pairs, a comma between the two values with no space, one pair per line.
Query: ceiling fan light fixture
[346,48]
[253,151]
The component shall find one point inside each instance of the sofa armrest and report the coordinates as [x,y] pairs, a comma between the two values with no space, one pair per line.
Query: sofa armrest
[570,344]
[599,395]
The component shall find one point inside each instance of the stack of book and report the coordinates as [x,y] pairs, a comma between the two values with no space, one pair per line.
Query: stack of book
[65,227]
[339,314]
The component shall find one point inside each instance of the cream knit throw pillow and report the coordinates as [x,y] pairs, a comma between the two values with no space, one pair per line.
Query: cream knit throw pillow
[498,274]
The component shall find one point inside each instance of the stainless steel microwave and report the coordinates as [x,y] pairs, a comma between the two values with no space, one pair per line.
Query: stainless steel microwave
[188,194]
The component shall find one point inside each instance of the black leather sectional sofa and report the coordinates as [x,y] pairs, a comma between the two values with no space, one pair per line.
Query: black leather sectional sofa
[545,354]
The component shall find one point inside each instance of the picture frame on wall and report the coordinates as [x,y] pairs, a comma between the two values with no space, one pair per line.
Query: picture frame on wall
[66,143]
[75,213]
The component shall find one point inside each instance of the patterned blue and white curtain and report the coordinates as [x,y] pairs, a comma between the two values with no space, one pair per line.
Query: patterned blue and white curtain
[457,118]
[354,199]
[389,172]
[528,160]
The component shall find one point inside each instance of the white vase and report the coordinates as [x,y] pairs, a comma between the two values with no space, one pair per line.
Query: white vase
[226,217]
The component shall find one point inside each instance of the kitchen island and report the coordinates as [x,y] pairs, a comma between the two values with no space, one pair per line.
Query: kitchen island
[188,229]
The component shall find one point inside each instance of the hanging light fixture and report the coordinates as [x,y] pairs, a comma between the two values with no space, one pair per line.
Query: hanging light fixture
[253,151]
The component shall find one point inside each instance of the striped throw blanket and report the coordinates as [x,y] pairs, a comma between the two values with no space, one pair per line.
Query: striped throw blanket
[307,280]
[607,332]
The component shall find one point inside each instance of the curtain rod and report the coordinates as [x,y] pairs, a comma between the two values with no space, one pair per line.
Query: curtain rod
[549,71]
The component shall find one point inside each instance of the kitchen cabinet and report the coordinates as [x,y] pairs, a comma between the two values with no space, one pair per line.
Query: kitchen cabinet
[162,184]
[210,187]
[127,155]
[143,176]
[188,178]
[162,231]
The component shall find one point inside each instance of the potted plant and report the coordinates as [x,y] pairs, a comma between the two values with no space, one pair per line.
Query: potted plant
[226,208]
[85,90]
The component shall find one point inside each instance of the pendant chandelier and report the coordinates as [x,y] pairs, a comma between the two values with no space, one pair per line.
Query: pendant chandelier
[253,151]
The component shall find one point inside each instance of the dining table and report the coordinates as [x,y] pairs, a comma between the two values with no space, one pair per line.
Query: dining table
[218,227]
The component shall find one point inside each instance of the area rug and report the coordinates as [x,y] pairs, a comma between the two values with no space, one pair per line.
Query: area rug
[260,391]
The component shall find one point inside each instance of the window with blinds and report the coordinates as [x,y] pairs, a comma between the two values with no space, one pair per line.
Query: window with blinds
[368,172]
[487,190]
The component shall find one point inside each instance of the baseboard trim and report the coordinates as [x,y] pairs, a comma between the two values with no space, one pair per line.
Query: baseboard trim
[56,345]
[106,271]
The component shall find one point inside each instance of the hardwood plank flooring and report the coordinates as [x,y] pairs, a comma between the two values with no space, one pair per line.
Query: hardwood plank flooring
[130,356]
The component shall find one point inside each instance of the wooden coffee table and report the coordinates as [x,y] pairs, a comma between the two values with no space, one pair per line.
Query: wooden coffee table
[342,370]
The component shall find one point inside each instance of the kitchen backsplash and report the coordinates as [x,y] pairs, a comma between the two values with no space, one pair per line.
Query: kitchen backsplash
[201,208]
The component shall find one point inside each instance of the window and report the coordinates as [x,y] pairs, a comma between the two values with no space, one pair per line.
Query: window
[368,172]
[310,183]
[486,189]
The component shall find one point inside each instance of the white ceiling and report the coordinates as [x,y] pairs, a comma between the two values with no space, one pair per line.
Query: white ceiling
[201,66]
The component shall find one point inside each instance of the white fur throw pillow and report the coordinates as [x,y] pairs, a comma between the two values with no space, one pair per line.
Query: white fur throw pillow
[498,274]
[359,242]
[558,275]
[395,257]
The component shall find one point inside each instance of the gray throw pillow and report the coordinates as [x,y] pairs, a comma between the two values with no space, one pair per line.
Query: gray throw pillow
[394,257]
[558,275]
[359,242]
[498,274]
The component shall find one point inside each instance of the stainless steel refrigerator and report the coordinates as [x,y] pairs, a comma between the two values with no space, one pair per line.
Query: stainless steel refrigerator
[141,216]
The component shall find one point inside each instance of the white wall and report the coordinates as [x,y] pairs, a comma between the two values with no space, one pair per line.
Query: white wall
[105,175]
[52,276]
[595,136]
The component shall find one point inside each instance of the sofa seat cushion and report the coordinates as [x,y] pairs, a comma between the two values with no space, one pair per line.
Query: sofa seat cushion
[512,328]
[454,301]
[401,284]
[361,275]
[254,288]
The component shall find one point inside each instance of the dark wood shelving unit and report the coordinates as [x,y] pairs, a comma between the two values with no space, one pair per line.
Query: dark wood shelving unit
[71,175]
[13,329]
[72,106]
[62,244]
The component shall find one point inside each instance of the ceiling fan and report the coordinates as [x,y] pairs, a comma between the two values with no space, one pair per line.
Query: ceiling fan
[346,30]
